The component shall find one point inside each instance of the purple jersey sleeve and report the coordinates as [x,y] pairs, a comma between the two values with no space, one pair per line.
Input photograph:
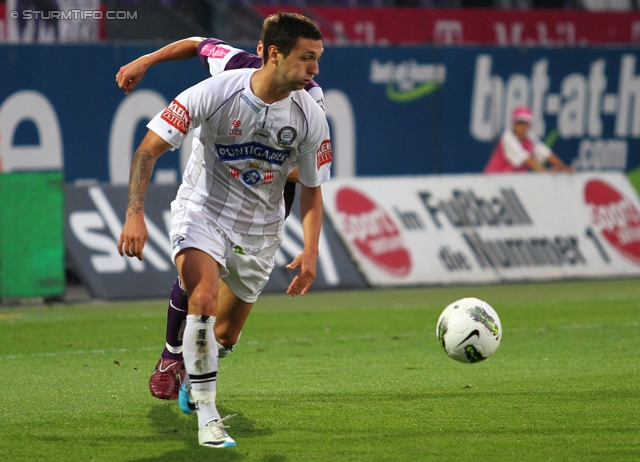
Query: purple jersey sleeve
[241,60]
[202,57]
[244,60]
[311,85]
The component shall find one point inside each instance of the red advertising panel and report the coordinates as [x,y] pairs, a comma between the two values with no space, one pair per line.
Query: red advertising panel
[3,21]
[471,26]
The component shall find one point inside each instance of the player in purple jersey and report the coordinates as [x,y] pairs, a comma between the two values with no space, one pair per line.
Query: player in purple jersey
[216,56]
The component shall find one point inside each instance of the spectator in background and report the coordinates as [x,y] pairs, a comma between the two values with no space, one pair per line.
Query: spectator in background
[519,148]
[42,29]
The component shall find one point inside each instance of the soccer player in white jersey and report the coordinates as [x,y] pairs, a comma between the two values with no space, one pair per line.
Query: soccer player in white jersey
[216,56]
[227,218]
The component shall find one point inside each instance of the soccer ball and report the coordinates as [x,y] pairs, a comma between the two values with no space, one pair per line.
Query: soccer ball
[469,330]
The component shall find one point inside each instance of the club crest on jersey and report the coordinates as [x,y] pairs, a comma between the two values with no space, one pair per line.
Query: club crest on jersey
[286,136]
[324,154]
[253,150]
[252,176]
[235,129]
[176,115]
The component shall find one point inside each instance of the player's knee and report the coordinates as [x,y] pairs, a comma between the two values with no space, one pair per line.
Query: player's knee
[201,302]
[227,339]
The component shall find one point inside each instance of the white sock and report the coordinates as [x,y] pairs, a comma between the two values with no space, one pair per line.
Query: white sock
[200,351]
[206,413]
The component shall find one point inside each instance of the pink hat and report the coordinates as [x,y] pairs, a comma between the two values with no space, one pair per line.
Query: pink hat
[522,114]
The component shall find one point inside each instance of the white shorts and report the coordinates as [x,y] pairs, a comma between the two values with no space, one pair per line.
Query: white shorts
[246,260]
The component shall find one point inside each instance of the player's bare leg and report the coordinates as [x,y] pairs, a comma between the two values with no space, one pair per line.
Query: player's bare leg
[200,274]
[230,318]
[169,372]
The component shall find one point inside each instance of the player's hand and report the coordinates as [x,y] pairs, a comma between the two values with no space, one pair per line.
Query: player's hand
[130,75]
[561,168]
[306,263]
[133,237]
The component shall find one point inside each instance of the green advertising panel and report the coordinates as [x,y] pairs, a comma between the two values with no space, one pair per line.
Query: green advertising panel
[31,234]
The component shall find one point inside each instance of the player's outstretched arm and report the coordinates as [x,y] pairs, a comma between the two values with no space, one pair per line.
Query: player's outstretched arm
[130,75]
[534,165]
[311,213]
[134,232]
[557,165]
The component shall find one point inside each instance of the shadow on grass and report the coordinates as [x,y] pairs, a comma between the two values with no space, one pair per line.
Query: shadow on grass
[170,424]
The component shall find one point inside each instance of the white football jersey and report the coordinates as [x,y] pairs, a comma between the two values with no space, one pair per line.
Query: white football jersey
[242,150]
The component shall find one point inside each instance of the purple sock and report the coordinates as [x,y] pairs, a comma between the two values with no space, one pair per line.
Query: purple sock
[176,319]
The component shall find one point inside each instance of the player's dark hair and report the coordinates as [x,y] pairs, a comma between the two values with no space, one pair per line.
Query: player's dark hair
[284,29]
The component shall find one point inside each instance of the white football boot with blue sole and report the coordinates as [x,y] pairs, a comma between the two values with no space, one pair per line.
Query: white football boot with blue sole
[214,435]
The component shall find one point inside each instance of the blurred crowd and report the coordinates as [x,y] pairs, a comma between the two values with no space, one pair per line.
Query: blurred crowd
[614,4]
[236,20]
[48,5]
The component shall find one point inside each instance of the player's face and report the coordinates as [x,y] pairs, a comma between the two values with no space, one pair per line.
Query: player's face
[520,129]
[301,65]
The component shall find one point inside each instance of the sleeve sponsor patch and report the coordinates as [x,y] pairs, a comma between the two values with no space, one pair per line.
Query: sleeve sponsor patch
[178,116]
[324,154]
[214,51]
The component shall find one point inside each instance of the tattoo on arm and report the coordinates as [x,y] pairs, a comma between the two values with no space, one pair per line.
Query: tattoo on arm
[139,176]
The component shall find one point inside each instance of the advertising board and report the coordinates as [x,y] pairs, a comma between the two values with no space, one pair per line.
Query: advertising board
[466,26]
[392,110]
[488,228]
[93,221]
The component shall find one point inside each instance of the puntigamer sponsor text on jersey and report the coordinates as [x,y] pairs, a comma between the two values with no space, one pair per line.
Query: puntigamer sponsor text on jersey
[251,150]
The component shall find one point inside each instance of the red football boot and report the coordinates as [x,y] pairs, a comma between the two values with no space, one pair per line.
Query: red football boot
[165,381]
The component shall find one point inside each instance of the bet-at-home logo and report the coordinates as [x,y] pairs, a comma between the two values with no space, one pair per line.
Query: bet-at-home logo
[586,106]
[408,80]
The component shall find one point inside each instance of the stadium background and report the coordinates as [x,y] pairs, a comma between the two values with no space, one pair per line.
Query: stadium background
[415,92]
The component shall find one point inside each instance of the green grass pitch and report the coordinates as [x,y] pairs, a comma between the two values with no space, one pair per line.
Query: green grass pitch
[342,376]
